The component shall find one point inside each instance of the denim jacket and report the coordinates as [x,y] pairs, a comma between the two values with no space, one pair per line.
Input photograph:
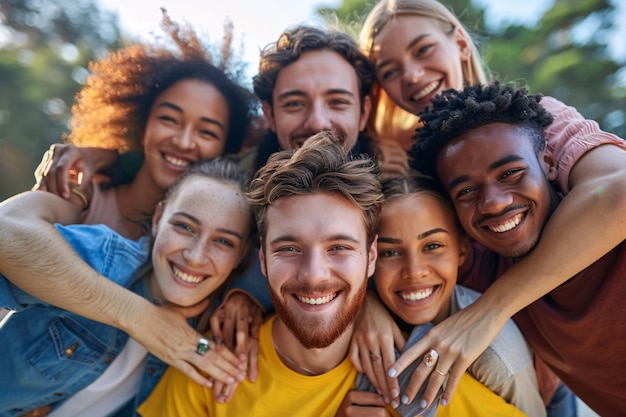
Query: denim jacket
[48,354]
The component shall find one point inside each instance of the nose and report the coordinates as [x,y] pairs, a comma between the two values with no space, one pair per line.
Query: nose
[184,140]
[315,267]
[415,267]
[493,200]
[318,118]
[196,254]
[413,71]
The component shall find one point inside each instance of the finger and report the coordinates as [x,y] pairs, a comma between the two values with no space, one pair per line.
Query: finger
[253,360]
[381,378]
[392,387]
[192,373]
[215,322]
[368,368]
[257,321]
[355,357]
[242,335]
[228,330]
[456,373]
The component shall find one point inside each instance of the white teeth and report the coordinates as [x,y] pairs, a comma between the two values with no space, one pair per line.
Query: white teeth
[511,224]
[318,300]
[426,91]
[176,161]
[183,276]
[418,295]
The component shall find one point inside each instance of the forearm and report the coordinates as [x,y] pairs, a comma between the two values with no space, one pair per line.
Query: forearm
[37,259]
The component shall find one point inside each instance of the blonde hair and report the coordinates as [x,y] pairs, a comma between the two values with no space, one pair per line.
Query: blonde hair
[388,118]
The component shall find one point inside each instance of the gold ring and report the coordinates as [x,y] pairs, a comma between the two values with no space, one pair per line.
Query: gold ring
[440,373]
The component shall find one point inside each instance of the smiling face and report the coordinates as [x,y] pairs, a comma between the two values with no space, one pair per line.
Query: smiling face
[319,91]
[500,186]
[200,237]
[416,58]
[187,122]
[316,259]
[419,253]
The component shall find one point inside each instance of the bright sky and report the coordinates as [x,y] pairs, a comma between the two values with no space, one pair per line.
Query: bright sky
[261,21]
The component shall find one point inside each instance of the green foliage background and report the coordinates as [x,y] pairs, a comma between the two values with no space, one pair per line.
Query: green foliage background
[45,48]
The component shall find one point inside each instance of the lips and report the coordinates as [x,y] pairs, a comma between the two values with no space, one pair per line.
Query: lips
[325,299]
[176,162]
[425,91]
[416,295]
[187,277]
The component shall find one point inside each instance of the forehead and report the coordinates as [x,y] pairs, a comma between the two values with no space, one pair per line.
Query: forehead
[485,146]
[403,28]
[317,73]
[422,209]
[315,217]
[209,199]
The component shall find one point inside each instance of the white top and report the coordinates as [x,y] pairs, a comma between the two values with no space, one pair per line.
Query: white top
[112,390]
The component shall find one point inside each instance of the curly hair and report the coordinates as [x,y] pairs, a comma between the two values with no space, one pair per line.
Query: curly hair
[111,110]
[320,165]
[300,39]
[455,113]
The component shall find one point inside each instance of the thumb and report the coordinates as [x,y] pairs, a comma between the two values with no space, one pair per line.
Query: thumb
[192,311]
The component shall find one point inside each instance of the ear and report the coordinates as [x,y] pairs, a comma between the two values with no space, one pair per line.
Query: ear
[372,254]
[268,111]
[262,260]
[549,165]
[365,112]
[464,246]
[463,43]
[156,217]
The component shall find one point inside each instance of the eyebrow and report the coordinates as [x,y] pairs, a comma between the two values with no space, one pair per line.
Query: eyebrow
[180,110]
[220,229]
[409,46]
[292,238]
[385,239]
[300,93]
[497,164]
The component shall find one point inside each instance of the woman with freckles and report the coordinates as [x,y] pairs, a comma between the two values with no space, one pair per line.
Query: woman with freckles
[52,358]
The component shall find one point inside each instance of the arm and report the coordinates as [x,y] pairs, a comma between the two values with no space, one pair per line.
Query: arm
[38,260]
[593,211]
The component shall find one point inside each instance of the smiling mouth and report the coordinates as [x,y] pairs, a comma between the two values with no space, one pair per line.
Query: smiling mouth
[426,91]
[317,300]
[416,295]
[508,225]
[177,162]
[183,276]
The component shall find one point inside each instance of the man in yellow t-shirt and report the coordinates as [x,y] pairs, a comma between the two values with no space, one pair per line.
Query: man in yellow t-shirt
[317,211]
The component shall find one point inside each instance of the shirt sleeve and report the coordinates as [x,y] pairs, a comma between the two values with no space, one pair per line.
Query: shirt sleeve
[570,136]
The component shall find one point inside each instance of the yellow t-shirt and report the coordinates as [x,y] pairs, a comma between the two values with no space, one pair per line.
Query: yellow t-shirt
[278,391]
[473,399]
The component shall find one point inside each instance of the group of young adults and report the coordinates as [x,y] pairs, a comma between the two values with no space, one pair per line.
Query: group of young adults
[524,202]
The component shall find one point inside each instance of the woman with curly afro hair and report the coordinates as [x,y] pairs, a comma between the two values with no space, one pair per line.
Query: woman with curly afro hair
[173,105]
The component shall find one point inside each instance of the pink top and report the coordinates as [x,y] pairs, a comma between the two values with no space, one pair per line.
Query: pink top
[103,208]
[570,136]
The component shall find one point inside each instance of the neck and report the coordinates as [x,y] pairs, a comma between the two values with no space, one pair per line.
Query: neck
[309,362]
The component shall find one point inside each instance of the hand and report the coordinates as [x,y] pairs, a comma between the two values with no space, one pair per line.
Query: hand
[392,159]
[237,322]
[38,412]
[458,340]
[165,333]
[362,404]
[223,393]
[65,163]
[372,347]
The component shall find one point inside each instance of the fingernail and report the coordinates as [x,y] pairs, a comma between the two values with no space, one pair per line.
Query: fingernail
[230,380]
[395,404]
[444,402]
[404,399]
[395,393]
[241,377]
[392,372]
[386,399]
[423,404]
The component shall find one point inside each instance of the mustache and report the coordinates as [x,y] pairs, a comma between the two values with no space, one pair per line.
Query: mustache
[304,288]
[486,217]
